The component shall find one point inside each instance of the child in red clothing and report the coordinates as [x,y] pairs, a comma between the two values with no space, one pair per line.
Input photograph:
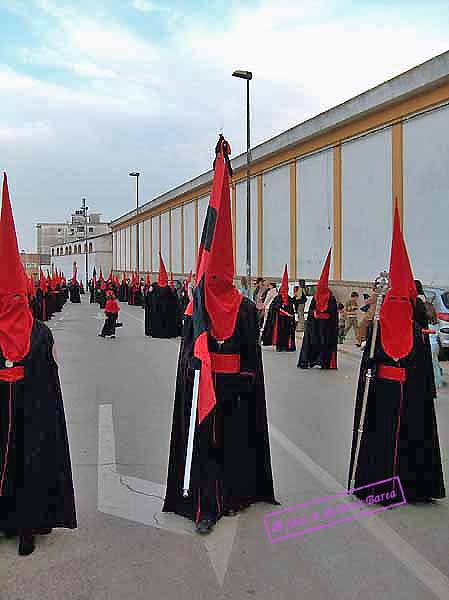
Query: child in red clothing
[111,311]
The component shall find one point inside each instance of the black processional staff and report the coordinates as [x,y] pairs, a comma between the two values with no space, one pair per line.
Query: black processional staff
[381,287]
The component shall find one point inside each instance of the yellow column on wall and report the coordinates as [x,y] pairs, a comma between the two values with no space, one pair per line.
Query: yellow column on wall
[337,253]
[142,250]
[151,245]
[234,220]
[397,168]
[195,212]
[160,232]
[130,228]
[182,239]
[293,232]
[260,224]
[170,242]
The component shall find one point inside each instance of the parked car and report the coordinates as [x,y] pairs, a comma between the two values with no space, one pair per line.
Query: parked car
[439,297]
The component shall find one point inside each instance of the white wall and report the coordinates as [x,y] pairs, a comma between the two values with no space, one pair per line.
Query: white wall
[133,248]
[240,201]
[203,203]
[155,252]
[426,195]
[165,240]
[276,222]
[147,245]
[314,212]
[97,259]
[176,239]
[366,206]
[189,237]
[141,247]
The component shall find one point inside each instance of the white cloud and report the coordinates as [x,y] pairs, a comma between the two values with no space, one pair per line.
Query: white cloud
[144,6]
[134,103]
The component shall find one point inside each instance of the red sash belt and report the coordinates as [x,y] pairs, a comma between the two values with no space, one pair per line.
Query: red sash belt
[393,373]
[321,315]
[284,313]
[225,363]
[12,375]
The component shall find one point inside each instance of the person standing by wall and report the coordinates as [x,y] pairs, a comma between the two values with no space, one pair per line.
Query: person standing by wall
[244,288]
[351,309]
[300,303]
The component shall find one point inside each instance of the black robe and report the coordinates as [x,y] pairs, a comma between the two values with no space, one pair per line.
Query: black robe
[38,489]
[279,328]
[319,345]
[110,324]
[418,459]
[123,292]
[161,312]
[75,293]
[231,466]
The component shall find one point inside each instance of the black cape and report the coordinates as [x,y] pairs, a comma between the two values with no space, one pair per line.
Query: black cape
[319,345]
[74,291]
[418,457]
[231,465]
[38,489]
[280,329]
[123,292]
[161,312]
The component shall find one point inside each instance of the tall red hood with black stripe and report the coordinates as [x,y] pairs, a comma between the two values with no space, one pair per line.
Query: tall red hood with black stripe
[216,301]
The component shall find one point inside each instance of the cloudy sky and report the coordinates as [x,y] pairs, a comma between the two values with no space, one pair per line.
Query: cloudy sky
[91,90]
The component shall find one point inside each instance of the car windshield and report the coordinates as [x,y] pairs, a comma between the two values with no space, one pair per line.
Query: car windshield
[445,298]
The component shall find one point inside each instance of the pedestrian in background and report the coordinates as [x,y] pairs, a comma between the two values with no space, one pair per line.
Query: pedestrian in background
[434,331]
[244,288]
[351,310]
[341,323]
[300,303]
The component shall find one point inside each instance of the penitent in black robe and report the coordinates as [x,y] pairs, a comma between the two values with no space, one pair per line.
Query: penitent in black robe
[38,488]
[161,312]
[231,466]
[123,292]
[279,327]
[319,345]
[74,291]
[418,460]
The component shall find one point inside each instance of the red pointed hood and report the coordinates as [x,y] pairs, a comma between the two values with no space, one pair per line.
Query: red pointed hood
[42,281]
[31,288]
[172,281]
[323,292]
[216,301]
[101,278]
[187,281]
[396,315]
[148,281]
[283,290]
[16,320]
[75,273]
[162,279]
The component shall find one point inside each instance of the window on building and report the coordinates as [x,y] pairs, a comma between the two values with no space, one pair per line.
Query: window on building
[59,230]
[91,229]
[90,247]
[70,249]
[52,251]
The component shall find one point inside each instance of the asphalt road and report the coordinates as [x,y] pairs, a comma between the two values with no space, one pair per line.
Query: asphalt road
[119,398]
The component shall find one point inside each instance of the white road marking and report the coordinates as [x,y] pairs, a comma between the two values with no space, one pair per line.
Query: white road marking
[423,570]
[141,501]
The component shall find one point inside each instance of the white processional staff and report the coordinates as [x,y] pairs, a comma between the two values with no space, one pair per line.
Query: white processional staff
[381,287]
[189,454]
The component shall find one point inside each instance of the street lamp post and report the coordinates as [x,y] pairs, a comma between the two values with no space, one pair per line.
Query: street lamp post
[85,208]
[136,175]
[247,75]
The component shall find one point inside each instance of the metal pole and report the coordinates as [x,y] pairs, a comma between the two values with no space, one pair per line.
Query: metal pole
[248,189]
[137,226]
[85,245]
